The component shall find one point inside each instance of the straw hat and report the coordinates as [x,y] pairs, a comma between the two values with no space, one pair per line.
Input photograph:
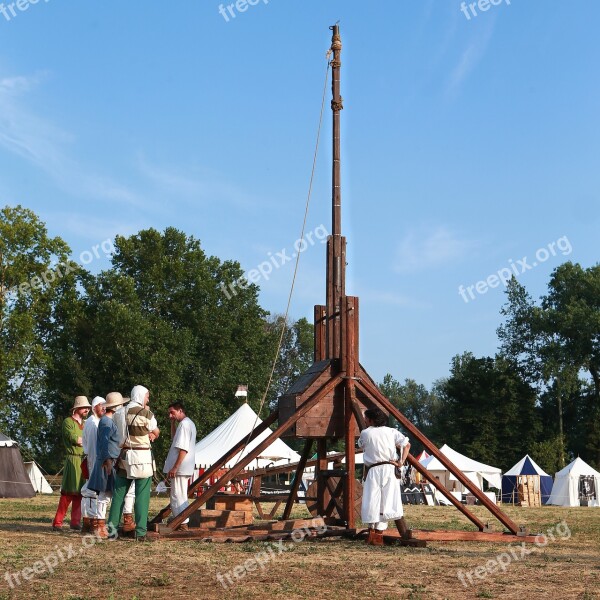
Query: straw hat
[81,402]
[114,399]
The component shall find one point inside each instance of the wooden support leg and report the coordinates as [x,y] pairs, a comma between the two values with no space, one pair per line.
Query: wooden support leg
[402,528]
[297,479]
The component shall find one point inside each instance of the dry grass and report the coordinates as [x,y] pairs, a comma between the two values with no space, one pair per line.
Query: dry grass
[569,568]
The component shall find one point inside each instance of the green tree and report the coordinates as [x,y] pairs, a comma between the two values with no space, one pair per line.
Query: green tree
[33,271]
[415,402]
[557,340]
[295,355]
[488,410]
[160,318]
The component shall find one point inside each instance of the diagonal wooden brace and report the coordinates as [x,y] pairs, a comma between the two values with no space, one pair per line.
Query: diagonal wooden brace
[311,401]
[371,390]
[217,466]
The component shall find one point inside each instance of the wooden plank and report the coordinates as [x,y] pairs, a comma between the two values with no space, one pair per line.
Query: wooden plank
[233,502]
[214,469]
[291,524]
[320,319]
[432,448]
[469,536]
[239,467]
[208,519]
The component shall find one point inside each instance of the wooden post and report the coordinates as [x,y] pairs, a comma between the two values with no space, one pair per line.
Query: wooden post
[297,479]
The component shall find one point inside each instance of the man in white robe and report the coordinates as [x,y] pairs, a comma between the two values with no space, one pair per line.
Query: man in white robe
[382,494]
[89,501]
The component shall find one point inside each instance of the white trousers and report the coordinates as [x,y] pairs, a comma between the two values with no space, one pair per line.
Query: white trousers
[94,506]
[129,499]
[382,497]
[88,502]
[179,496]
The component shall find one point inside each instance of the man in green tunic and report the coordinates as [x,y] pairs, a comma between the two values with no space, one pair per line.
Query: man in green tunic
[72,481]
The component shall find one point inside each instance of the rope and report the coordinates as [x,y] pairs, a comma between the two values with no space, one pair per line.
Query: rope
[289,301]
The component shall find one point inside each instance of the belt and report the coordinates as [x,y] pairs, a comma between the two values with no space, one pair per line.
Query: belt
[130,448]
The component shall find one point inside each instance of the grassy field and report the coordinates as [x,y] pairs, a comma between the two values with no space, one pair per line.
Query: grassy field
[568,567]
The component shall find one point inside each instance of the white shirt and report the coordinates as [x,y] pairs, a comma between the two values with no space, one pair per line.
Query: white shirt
[89,439]
[184,439]
[379,444]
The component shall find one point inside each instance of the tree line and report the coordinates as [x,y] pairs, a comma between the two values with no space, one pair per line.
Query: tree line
[158,317]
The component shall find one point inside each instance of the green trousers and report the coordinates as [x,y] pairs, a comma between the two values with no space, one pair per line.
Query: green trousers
[141,506]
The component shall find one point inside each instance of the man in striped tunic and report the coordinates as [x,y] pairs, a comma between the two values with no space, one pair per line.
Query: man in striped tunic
[136,462]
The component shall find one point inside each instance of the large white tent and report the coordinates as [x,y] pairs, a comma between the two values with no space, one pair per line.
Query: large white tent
[568,483]
[237,427]
[477,472]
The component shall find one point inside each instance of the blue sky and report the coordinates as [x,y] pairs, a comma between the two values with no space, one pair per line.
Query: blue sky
[467,144]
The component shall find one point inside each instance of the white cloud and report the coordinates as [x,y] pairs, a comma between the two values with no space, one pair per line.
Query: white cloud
[470,57]
[47,147]
[421,250]
[194,184]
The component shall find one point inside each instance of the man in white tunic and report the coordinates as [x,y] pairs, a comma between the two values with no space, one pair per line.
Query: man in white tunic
[89,501]
[179,466]
[382,494]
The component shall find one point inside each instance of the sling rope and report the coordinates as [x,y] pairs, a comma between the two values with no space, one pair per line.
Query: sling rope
[289,301]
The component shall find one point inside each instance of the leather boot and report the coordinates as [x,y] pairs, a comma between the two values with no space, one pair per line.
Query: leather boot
[370,537]
[377,538]
[102,532]
[128,525]
[87,525]
[95,524]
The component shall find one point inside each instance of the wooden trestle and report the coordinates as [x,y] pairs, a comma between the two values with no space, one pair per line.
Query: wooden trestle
[326,404]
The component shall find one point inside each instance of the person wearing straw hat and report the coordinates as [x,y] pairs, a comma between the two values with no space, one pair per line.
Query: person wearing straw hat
[70,488]
[102,479]
[89,498]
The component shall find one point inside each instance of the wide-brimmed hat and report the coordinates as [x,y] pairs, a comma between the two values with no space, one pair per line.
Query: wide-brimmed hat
[81,402]
[114,399]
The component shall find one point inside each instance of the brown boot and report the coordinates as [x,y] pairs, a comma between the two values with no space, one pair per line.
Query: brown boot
[87,525]
[183,527]
[102,532]
[370,537]
[128,523]
[377,538]
[95,525]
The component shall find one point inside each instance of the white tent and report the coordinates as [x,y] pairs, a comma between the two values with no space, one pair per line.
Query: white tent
[237,427]
[576,481]
[38,481]
[475,471]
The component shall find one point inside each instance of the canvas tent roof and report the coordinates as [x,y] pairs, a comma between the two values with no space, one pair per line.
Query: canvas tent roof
[526,466]
[230,432]
[565,491]
[14,482]
[473,469]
